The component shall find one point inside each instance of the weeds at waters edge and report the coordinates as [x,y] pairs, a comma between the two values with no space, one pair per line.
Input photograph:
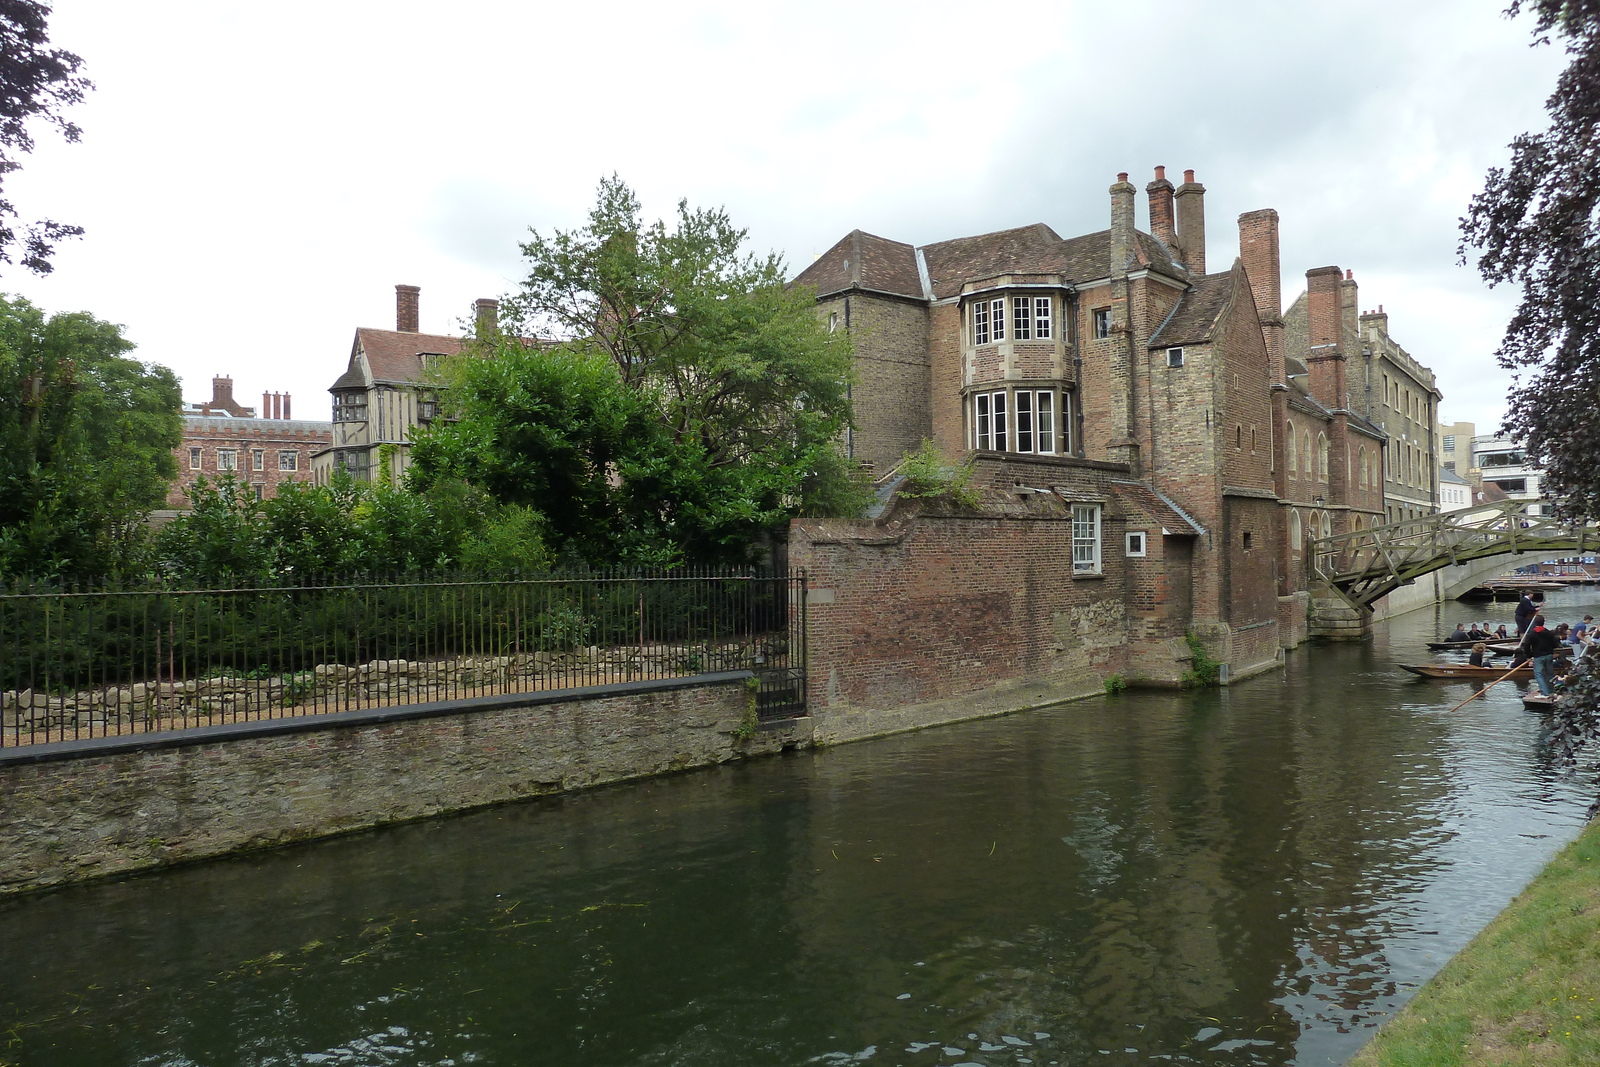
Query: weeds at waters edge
[1115,684]
[1525,992]
[1203,670]
[749,720]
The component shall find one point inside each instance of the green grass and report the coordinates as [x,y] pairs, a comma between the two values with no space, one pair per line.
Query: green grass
[1525,991]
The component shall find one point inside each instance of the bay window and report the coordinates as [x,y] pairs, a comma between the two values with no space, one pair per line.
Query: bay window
[1020,420]
[1031,318]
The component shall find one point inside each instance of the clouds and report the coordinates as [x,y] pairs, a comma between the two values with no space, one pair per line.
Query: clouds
[255,180]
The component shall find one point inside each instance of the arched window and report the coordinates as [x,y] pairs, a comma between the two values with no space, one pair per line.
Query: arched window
[1238,437]
[1252,440]
[1322,456]
[1294,466]
[1311,462]
[1327,524]
[1361,455]
[1295,535]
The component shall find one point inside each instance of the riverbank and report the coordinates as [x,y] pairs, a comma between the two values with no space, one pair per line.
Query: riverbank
[1526,990]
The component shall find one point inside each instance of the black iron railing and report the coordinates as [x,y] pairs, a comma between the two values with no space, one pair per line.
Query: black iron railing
[92,661]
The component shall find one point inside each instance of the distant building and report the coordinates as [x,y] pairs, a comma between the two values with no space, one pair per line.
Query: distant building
[1505,466]
[386,393]
[1455,492]
[222,437]
[1455,446]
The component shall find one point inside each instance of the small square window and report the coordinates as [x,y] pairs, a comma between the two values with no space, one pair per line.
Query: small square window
[1174,357]
[288,461]
[1136,543]
[227,459]
[1102,323]
[1249,541]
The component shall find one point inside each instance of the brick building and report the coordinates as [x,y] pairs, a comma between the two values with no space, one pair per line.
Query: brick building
[222,437]
[1388,390]
[387,391]
[1152,399]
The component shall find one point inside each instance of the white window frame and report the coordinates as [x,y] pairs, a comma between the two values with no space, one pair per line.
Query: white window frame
[1100,323]
[194,459]
[991,430]
[997,318]
[1175,356]
[227,459]
[1086,539]
[1022,419]
[980,323]
[288,461]
[1022,318]
[1044,317]
[258,459]
[1136,544]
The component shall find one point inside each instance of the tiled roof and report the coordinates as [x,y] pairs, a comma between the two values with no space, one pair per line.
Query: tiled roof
[1159,507]
[1195,318]
[865,261]
[393,356]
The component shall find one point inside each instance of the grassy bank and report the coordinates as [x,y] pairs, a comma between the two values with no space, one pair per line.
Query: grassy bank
[1525,991]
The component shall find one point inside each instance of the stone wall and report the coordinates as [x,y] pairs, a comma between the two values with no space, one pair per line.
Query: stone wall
[87,809]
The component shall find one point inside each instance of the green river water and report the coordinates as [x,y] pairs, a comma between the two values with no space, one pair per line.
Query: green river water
[1256,875]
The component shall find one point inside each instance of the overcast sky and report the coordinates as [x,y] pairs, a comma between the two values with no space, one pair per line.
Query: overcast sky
[254,179]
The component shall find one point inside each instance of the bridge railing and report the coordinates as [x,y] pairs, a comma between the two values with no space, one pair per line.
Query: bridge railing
[1363,565]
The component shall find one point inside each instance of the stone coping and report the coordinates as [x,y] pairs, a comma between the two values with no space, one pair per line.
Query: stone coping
[56,751]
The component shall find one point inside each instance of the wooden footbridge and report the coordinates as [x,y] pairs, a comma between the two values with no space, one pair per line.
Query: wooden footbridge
[1363,565]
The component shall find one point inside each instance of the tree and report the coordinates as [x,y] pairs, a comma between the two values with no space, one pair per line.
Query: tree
[86,442]
[36,82]
[689,403]
[1535,224]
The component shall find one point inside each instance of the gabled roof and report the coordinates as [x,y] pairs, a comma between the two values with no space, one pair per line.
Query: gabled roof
[876,264]
[865,261]
[1199,311]
[392,356]
[1158,507]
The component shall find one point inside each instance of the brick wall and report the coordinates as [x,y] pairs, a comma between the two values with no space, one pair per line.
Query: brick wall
[115,805]
[933,614]
[892,388]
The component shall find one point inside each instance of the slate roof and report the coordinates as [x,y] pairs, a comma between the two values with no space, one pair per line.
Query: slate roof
[1195,318]
[865,261]
[393,356]
[862,260]
[1159,507]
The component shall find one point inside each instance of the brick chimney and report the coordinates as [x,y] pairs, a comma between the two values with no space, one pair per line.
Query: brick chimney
[1191,205]
[1258,249]
[1122,194]
[487,316]
[286,405]
[1161,219]
[266,405]
[406,301]
[1324,315]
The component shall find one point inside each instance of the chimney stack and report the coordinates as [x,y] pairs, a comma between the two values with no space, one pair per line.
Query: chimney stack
[1122,195]
[487,317]
[1325,327]
[286,405]
[222,392]
[266,405]
[407,299]
[1161,220]
[1191,212]
[1258,248]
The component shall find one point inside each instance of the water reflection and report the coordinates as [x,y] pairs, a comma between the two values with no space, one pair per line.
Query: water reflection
[1256,875]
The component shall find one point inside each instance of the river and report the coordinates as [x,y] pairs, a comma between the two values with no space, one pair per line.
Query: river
[1255,875]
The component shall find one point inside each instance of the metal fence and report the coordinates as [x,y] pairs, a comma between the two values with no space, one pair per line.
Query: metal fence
[99,661]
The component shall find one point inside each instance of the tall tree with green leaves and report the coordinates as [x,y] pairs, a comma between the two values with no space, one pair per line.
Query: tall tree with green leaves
[688,402]
[86,440]
[1535,225]
[36,83]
